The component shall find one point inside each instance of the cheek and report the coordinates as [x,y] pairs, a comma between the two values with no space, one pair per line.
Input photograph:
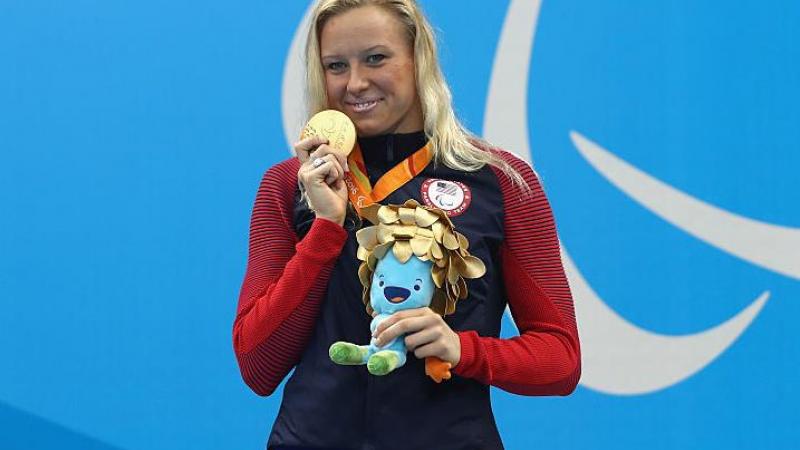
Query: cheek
[333,88]
[404,89]
[407,78]
[392,80]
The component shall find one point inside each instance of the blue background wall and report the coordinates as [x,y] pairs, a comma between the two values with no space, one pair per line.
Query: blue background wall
[133,136]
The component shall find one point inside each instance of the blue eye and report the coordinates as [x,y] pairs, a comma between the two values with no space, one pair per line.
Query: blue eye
[335,66]
[376,58]
[417,287]
[381,283]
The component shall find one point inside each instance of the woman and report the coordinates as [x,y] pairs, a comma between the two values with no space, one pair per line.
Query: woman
[375,60]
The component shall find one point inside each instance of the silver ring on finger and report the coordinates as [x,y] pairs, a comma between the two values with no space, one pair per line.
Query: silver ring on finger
[317,162]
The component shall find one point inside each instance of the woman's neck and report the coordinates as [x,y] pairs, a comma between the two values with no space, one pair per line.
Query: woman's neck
[383,152]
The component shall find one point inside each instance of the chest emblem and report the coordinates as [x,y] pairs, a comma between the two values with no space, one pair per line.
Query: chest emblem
[452,197]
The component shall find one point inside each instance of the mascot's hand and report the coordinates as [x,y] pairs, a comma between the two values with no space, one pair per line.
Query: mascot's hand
[427,334]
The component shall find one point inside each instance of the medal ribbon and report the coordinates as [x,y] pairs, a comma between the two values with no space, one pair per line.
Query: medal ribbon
[360,191]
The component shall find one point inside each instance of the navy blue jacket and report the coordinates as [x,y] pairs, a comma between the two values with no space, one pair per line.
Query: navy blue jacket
[326,405]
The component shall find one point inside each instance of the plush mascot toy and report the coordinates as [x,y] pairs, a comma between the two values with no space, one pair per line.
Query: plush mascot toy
[411,258]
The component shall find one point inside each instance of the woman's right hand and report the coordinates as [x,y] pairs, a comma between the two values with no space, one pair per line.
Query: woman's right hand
[324,185]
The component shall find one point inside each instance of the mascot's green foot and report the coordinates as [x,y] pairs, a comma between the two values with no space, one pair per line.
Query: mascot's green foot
[347,354]
[382,362]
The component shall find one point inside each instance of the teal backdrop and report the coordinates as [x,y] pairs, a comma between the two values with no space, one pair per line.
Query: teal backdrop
[133,136]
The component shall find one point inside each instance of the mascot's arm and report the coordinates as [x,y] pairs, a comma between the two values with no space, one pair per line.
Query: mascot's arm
[545,358]
[284,283]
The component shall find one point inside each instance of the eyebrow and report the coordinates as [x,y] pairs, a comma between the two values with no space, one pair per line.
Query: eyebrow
[367,50]
[375,47]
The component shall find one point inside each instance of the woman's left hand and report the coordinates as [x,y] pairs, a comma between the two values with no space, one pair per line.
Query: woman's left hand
[427,334]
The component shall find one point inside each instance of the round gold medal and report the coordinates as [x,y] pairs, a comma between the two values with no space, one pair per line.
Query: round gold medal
[335,126]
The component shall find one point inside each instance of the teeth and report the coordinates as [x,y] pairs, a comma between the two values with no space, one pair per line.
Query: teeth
[364,106]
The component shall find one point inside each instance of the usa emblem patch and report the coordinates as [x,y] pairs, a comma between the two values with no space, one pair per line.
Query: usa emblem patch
[452,197]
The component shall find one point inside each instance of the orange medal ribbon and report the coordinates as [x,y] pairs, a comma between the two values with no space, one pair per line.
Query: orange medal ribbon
[360,191]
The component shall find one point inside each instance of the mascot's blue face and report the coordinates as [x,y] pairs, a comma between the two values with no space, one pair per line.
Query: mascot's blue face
[397,286]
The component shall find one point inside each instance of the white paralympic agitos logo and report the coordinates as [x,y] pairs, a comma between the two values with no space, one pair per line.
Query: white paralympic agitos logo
[618,357]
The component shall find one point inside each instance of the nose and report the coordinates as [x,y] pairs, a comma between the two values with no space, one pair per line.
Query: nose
[358,81]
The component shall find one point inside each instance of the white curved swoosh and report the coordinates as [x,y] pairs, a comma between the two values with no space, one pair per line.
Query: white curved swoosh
[623,359]
[618,357]
[773,247]
[293,100]
[505,120]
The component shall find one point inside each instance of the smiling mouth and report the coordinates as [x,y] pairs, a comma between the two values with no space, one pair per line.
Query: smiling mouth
[363,106]
[396,294]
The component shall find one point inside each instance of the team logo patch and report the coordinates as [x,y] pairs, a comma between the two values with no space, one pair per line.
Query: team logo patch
[451,196]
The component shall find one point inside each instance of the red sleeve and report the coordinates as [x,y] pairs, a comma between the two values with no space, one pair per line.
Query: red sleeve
[284,283]
[545,358]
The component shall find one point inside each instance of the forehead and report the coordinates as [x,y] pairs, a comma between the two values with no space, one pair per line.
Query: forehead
[390,267]
[361,28]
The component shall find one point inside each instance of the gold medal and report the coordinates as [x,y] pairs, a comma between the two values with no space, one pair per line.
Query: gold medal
[335,126]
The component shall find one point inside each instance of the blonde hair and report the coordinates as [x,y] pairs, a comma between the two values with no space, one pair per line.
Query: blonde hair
[451,143]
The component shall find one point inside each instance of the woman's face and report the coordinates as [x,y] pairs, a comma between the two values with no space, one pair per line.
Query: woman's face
[369,71]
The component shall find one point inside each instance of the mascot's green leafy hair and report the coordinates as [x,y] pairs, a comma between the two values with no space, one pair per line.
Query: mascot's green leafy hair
[427,266]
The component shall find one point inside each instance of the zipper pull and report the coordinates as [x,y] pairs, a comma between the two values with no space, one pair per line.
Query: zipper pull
[390,148]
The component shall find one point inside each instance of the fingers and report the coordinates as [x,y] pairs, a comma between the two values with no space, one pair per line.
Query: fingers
[315,147]
[335,171]
[305,146]
[329,171]
[330,168]
[436,348]
[408,325]
[396,317]
[422,337]
[426,334]
[324,150]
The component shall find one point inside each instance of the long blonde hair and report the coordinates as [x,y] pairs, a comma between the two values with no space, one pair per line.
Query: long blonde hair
[451,143]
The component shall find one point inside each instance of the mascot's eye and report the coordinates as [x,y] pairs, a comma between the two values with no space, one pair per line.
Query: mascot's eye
[380,283]
[417,287]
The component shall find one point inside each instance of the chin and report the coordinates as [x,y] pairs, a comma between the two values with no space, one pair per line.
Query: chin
[369,131]
[370,128]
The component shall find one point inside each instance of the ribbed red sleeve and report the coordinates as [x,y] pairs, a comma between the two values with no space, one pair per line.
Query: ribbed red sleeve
[284,283]
[545,358]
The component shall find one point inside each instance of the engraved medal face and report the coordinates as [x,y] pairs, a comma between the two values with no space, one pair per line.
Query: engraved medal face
[334,126]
